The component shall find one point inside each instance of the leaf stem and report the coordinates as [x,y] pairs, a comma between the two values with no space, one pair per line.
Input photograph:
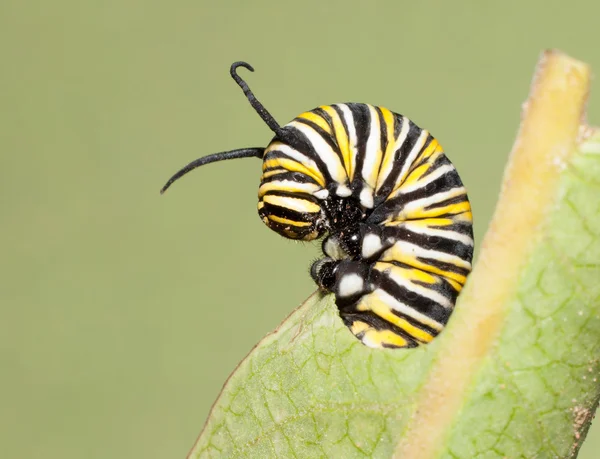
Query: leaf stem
[548,134]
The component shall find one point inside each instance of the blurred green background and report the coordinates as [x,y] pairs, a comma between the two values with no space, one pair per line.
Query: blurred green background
[123,312]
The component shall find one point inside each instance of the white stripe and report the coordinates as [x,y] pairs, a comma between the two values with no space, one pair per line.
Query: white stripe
[287,185]
[296,204]
[421,290]
[352,140]
[447,234]
[383,175]
[416,251]
[368,341]
[372,159]
[405,309]
[433,199]
[294,154]
[330,158]
[421,183]
[410,159]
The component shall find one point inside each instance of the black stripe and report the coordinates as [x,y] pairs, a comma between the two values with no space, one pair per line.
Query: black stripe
[422,304]
[347,132]
[323,114]
[399,264]
[377,323]
[276,168]
[299,232]
[441,160]
[290,194]
[419,160]
[437,243]
[460,227]
[400,157]
[442,286]
[392,206]
[392,346]
[362,126]
[383,136]
[305,147]
[446,202]
[442,184]
[297,177]
[345,124]
[331,141]
[447,215]
[285,212]
[398,122]
[444,266]
[415,323]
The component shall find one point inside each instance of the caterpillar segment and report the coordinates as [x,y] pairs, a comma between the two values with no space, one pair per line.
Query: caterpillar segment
[393,213]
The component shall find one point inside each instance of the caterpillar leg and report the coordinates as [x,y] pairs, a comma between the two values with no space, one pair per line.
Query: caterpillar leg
[323,272]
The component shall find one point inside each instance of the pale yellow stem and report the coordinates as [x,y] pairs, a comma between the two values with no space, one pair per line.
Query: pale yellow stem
[548,134]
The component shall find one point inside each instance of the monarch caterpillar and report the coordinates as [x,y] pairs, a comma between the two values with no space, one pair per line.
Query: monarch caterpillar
[395,215]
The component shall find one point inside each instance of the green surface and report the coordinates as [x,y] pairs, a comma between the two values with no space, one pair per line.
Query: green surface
[312,390]
[123,312]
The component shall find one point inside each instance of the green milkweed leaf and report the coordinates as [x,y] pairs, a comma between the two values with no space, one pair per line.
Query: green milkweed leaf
[516,372]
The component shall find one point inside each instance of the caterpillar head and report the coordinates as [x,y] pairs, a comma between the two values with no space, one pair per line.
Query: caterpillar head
[292,215]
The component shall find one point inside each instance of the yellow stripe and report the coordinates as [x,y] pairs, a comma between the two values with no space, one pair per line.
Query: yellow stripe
[411,274]
[420,282]
[376,338]
[332,161]
[292,165]
[288,186]
[390,150]
[425,223]
[416,174]
[272,173]
[358,327]
[342,140]
[415,209]
[457,286]
[388,119]
[372,178]
[297,204]
[394,254]
[437,211]
[433,155]
[366,302]
[465,216]
[386,165]
[431,148]
[388,155]
[384,311]
[317,119]
[286,221]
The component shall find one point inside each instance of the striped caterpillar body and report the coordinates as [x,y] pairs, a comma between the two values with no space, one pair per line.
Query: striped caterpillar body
[393,213]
